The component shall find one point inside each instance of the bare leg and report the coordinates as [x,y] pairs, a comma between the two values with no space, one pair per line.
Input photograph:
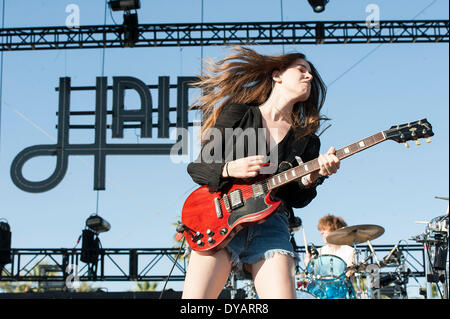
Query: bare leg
[274,277]
[206,275]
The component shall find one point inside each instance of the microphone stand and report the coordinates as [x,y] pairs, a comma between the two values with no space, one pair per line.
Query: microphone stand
[294,245]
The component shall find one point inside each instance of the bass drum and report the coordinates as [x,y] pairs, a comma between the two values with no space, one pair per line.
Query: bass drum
[302,294]
[330,288]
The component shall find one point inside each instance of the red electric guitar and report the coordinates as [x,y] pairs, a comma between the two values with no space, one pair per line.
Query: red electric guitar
[211,219]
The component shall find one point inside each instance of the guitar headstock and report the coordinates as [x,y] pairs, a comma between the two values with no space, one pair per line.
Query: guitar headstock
[410,131]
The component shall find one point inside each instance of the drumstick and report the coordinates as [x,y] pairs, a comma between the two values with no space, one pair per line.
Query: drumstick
[304,240]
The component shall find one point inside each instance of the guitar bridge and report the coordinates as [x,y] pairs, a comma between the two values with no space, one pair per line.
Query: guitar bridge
[236,199]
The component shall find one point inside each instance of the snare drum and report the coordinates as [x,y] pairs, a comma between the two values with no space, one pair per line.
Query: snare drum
[327,266]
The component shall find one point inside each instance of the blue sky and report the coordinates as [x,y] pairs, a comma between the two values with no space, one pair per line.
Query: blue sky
[372,88]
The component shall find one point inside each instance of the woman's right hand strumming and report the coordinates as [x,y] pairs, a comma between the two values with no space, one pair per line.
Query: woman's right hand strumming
[244,167]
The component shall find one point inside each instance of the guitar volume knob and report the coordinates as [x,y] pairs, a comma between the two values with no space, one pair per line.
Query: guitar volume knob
[199,243]
[198,235]
[209,232]
[223,231]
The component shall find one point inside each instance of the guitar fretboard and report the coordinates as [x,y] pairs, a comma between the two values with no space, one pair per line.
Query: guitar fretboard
[297,172]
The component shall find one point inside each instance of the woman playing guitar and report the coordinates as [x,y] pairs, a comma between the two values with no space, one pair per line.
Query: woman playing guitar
[282,95]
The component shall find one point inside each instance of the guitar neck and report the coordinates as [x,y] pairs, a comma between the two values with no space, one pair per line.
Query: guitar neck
[297,172]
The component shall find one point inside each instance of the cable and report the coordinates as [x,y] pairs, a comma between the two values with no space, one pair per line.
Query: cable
[104,48]
[201,47]
[78,241]
[173,266]
[103,74]
[112,18]
[373,50]
[282,20]
[1,75]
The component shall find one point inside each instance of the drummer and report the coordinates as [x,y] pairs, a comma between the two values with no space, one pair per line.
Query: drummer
[326,225]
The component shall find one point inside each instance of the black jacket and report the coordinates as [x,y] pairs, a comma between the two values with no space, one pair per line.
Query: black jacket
[243,116]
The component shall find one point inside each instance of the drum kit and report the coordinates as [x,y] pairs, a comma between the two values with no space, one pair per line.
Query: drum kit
[325,279]
[329,277]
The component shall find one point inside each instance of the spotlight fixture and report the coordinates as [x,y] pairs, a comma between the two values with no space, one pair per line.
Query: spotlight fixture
[318,5]
[90,248]
[130,26]
[124,5]
[97,224]
[5,244]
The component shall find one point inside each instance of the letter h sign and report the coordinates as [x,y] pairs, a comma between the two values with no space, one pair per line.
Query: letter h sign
[120,116]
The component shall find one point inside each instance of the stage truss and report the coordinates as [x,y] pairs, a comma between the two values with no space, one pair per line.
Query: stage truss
[54,266]
[230,33]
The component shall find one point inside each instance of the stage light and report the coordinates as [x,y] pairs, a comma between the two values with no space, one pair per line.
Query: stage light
[318,5]
[130,29]
[97,224]
[90,248]
[130,26]
[124,5]
[5,244]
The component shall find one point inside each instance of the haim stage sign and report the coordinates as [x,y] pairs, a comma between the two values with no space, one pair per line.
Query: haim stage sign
[121,119]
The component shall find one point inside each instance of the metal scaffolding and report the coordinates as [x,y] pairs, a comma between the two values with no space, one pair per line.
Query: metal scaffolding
[140,264]
[230,33]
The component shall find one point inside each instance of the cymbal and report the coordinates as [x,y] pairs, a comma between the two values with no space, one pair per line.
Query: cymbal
[354,234]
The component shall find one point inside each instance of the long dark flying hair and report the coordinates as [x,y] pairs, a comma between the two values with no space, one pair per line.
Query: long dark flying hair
[246,77]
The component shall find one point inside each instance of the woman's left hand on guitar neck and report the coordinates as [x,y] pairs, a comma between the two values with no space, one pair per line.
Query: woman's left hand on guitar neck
[328,163]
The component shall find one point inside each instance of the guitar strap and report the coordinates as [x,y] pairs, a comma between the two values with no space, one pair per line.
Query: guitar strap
[296,151]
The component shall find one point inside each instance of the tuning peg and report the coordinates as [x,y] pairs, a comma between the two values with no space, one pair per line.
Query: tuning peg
[406,145]
[418,142]
[428,140]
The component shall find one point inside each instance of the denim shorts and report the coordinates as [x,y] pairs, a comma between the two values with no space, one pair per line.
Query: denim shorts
[256,242]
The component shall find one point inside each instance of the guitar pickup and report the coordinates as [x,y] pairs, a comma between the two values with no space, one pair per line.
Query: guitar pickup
[236,199]
[226,202]
[257,190]
[218,208]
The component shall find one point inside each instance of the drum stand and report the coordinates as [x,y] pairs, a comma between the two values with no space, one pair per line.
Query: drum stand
[357,274]
[231,284]
[374,287]
[371,287]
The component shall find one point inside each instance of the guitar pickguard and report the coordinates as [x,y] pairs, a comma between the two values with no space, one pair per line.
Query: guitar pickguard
[252,206]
